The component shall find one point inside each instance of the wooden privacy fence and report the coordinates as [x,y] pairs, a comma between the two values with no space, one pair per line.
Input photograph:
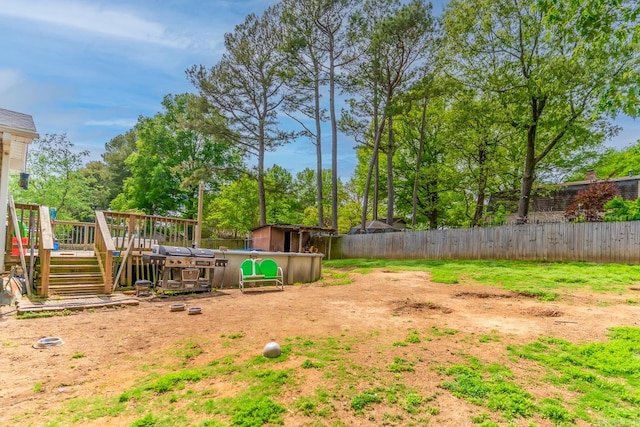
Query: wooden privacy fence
[616,242]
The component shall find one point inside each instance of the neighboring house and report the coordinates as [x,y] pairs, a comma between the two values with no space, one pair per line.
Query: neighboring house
[550,205]
[377,226]
[17,131]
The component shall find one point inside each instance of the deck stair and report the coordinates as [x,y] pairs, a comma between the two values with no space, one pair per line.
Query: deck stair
[72,276]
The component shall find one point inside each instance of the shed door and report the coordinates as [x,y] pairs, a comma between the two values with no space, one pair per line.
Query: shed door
[287,241]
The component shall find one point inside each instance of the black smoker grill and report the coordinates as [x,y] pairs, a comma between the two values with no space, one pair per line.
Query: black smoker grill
[184,269]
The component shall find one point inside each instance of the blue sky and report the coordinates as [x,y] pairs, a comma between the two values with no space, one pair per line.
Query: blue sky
[89,68]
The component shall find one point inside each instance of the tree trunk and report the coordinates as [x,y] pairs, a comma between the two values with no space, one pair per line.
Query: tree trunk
[390,189]
[432,200]
[372,165]
[528,176]
[334,134]
[319,195]
[416,178]
[482,185]
[261,151]
[376,187]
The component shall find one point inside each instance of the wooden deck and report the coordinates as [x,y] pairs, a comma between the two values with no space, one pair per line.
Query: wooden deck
[76,303]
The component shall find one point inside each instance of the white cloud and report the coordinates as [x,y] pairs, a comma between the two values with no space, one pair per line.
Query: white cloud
[9,78]
[19,93]
[101,20]
[125,123]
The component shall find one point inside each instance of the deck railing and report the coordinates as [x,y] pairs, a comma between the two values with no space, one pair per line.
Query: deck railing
[134,234]
[28,219]
[144,231]
[118,239]
[74,235]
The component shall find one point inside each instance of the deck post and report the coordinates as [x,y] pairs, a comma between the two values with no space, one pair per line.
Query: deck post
[5,158]
[44,249]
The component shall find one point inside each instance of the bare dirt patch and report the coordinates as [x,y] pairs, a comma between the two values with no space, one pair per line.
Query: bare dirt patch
[542,312]
[105,349]
[408,307]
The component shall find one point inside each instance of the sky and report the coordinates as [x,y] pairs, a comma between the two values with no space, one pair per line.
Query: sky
[90,68]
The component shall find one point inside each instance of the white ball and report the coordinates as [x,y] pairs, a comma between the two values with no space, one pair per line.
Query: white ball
[272,349]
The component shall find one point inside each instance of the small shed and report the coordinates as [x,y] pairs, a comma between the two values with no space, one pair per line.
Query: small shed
[286,237]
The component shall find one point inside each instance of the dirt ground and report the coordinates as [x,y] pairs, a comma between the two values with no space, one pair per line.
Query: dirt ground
[116,342]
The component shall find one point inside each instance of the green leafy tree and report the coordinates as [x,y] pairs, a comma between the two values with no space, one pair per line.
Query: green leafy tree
[613,163]
[171,158]
[96,177]
[55,178]
[284,205]
[306,57]
[117,150]
[394,38]
[420,165]
[481,149]
[618,209]
[234,211]
[319,30]
[248,87]
[303,190]
[557,75]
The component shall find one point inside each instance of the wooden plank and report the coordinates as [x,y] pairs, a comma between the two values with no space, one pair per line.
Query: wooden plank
[124,262]
[593,242]
[17,230]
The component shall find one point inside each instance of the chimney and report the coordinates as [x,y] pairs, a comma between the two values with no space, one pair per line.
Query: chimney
[590,175]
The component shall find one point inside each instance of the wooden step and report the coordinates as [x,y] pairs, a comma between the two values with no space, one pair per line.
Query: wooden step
[69,290]
[74,266]
[74,260]
[74,272]
[75,276]
[71,279]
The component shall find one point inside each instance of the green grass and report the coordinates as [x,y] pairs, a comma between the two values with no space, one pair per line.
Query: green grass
[233,336]
[365,399]
[358,379]
[43,314]
[595,383]
[605,375]
[485,338]
[437,332]
[540,279]
[332,277]
[401,365]
[489,386]
[413,337]
[188,350]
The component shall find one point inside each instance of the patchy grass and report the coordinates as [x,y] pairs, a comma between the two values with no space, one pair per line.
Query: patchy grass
[332,277]
[489,386]
[331,381]
[540,279]
[604,375]
[43,314]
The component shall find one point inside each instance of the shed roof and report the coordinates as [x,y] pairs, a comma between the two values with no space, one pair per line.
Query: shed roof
[297,227]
